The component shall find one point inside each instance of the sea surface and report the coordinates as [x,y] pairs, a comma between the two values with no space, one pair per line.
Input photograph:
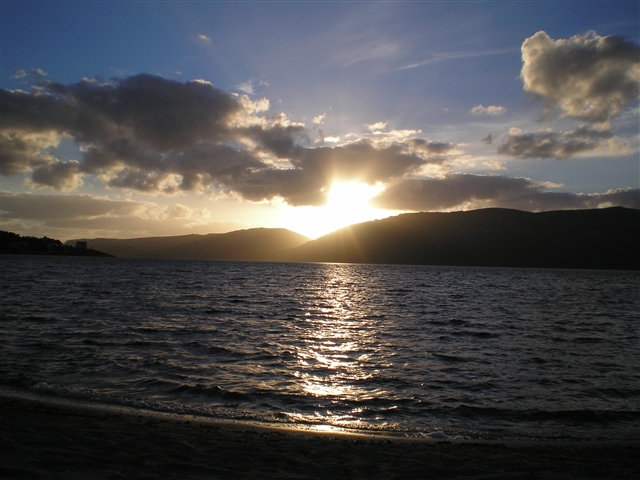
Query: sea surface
[438,352]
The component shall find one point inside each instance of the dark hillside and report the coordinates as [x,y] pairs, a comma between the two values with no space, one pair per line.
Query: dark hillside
[599,238]
[254,244]
[12,243]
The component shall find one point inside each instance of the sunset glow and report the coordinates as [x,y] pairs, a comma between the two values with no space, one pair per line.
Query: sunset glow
[226,116]
[347,203]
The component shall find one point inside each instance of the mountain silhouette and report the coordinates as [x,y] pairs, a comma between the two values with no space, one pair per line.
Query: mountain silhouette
[606,238]
[600,238]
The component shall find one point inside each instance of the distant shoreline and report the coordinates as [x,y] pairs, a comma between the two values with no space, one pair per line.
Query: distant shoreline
[595,239]
[14,244]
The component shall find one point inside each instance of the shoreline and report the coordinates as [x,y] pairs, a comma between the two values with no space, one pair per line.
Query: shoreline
[43,439]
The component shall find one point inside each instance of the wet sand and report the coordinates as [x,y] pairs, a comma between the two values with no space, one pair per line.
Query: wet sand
[44,440]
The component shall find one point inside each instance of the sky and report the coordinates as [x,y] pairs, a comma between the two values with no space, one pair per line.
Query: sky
[137,119]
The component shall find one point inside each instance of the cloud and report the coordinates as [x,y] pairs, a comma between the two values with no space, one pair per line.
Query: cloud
[466,191]
[22,151]
[319,119]
[315,169]
[156,135]
[37,73]
[53,207]
[377,126]
[586,76]
[490,110]
[454,190]
[67,216]
[445,56]
[58,175]
[204,39]
[137,126]
[548,144]
[488,140]
[249,87]
[159,113]
[246,87]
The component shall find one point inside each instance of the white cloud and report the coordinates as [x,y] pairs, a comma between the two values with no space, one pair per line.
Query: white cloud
[249,87]
[436,57]
[202,81]
[490,110]
[246,87]
[35,73]
[377,126]
[204,39]
[319,119]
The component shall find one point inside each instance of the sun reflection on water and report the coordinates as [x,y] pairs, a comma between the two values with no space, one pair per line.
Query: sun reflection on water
[336,350]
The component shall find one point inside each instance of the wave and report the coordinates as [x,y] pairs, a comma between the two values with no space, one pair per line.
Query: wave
[580,416]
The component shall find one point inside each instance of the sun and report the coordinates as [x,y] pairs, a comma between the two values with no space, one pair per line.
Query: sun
[352,196]
[347,203]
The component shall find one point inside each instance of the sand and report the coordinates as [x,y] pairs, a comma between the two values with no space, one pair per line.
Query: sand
[44,440]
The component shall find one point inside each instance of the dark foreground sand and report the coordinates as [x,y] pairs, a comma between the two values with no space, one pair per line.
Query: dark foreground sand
[69,442]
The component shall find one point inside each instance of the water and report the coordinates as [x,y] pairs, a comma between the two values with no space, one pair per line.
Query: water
[443,352]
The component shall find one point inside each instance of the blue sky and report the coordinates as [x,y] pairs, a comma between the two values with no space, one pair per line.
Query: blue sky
[326,113]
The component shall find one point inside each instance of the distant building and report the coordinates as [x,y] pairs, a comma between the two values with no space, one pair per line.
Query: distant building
[82,245]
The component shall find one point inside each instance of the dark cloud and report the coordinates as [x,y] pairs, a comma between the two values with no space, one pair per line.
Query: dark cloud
[488,140]
[57,175]
[281,140]
[163,114]
[296,186]
[465,191]
[454,190]
[435,151]
[586,76]
[131,123]
[151,134]
[549,144]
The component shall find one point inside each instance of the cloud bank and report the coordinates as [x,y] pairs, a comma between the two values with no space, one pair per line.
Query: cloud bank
[466,192]
[100,217]
[154,135]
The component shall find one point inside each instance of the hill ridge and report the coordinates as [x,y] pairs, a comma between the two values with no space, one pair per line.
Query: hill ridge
[607,238]
[257,244]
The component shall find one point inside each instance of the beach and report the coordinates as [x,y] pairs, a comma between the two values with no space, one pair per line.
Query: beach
[78,441]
